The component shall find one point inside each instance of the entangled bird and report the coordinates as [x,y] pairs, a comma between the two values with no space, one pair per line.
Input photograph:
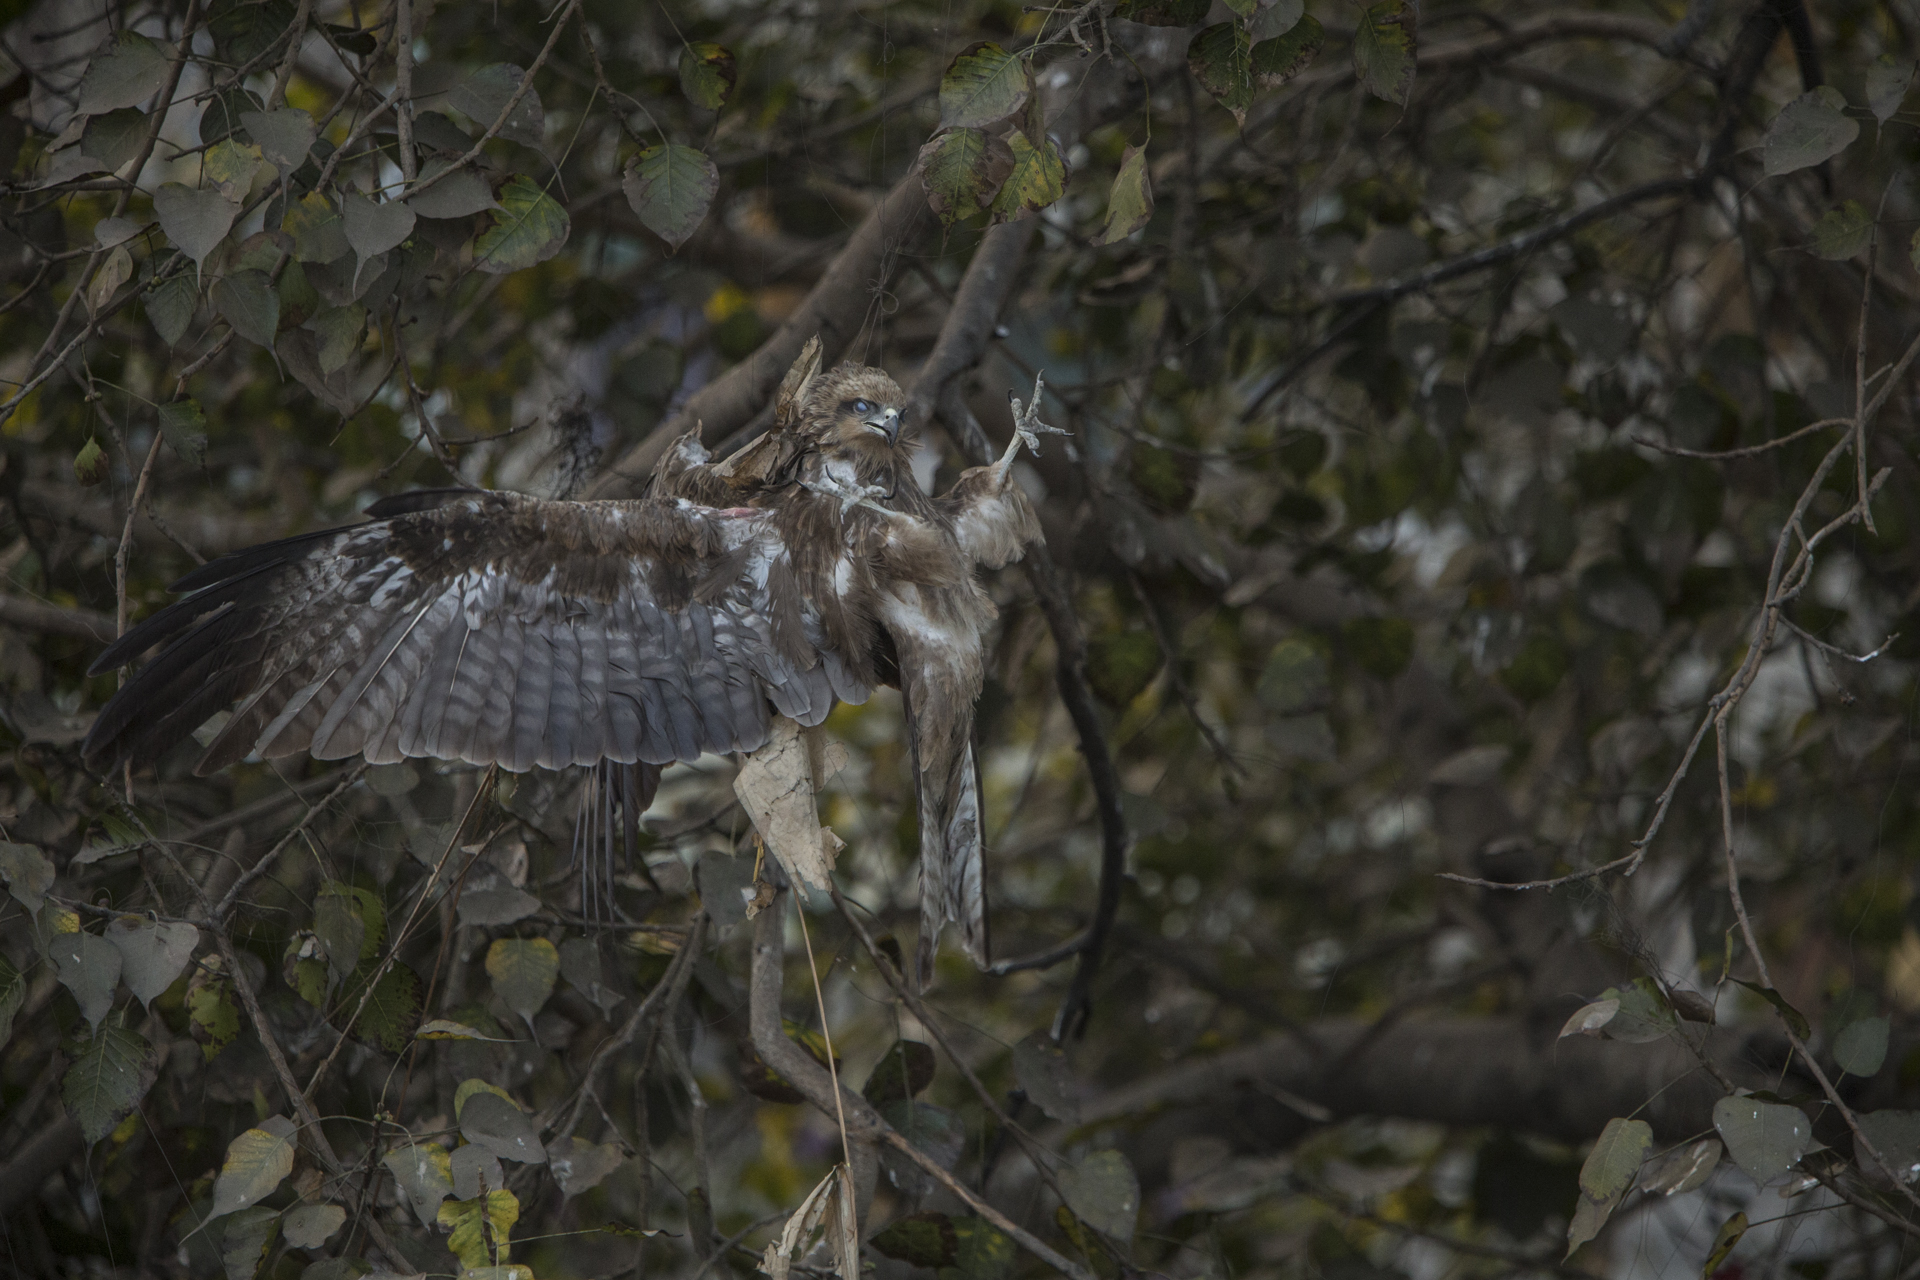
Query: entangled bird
[501,629]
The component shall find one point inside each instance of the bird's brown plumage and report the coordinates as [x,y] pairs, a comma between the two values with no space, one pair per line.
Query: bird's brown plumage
[501,629]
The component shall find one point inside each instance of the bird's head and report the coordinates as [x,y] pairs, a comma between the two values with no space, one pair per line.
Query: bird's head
[855,411]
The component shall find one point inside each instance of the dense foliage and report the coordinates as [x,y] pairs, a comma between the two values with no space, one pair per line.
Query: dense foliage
[1491,466]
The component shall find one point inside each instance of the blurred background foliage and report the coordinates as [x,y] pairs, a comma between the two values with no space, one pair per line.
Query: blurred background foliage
[1385,370]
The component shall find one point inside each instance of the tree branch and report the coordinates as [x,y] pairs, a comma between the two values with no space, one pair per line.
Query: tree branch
[836,309]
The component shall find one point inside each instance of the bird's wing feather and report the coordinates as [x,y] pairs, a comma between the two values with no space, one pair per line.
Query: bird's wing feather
[480,626]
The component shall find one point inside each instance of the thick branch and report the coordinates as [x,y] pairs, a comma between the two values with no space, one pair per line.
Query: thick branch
[836,309]
[1456,1071]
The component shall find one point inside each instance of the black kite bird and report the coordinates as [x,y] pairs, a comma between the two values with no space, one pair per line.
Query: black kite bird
[501,629]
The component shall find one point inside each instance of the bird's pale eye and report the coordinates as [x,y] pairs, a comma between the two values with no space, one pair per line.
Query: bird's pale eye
[862,406]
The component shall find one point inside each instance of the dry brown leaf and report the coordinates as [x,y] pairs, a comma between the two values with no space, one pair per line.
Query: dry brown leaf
[776,786]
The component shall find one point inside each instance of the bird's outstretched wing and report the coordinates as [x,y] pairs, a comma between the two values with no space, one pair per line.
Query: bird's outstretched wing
[486,627]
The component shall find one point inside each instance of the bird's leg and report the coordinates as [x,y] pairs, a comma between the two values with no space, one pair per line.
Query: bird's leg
[849,496]
[1027,427]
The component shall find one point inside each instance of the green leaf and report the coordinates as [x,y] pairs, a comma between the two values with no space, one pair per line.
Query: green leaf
[1887,83]
[982,1251]
[1270,21]
[670,187]
[184,428]
[579,1165]
[317,231]
[1861,1049]
[1130,202]
[341,330]
[1163,13]
[1604,1178]
[1384,50]
[480,1227]
[285,137]
[961,171]
[529,228]
[257,1162]
[1616,1157]
[1037,179]
[242,30]
[1103,1192]
[707,74]
[391,1012]
[1280,59]
[106,282]
[91,465]
[1764,1138]
[523,970]
[1643,1016]
[372,229]
[1843,232]
[244,1238]
[1723,1242]
[1381,647]
[1795,1020]
[116,137]
[458,195]
[108,1073]
[425,1175]
[230,166]
[902,1072]
[212,1017]
[982,85]
[247,301]
[935,1130]
[1041,1067]
[28,874]
[13,993]
[1896,1136]
[90,968]
[152,954]
[125,71]
[170,305]
[497,1126]
[307,1226]
[922,1239]
[1590,1019]
[1221,58]
[484,94]
[1809,130]
[1683,1169]
[195,221]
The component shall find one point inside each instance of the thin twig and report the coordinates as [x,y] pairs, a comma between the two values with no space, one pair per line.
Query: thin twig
[1749,451]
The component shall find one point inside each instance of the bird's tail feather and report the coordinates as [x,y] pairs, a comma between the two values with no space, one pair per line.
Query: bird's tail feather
[952,861]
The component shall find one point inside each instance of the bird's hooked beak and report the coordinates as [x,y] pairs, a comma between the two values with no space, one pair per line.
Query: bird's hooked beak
[886,422]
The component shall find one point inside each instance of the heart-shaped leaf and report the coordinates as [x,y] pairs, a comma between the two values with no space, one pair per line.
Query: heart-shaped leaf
[284,136]
[372,229]
[1280,59]
[1221,59]
[125,71]
[1810,129]
[152,954]
[529,228]
[457,195]
[962,170]
[1383,50]
[707,74]
[196,221]
[247,301]
[1038,178]
[982,85]
[109,1072]
[670,187]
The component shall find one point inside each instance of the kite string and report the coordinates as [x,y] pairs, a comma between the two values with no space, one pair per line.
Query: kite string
[820,1002]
